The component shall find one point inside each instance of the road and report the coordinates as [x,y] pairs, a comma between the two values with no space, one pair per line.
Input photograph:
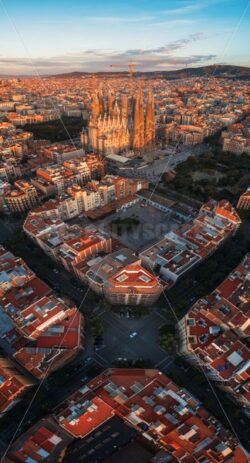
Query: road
[117,341]
[117,344]
[53,392]
[184,154]
[8,227]
[58,279]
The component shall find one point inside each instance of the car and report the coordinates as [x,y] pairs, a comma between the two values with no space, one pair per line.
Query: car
[132,335]
[84,379]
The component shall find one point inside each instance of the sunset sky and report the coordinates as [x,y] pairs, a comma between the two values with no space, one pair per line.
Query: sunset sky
[57,36]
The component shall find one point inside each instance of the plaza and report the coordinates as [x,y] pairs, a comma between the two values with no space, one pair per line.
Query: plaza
[139,225]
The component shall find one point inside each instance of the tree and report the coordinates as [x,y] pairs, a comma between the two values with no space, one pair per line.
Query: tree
[168,338]
[97,327]
[55,130]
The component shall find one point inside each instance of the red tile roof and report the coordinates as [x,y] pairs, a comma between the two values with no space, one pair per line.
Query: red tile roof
[12,384]
[66,334]
[172,416]
[214,327]
[136,278]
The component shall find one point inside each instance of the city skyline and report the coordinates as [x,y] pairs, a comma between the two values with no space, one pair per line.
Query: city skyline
[53,38]
[124,231]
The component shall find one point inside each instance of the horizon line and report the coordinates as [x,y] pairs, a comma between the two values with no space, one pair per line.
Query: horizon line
[122,71]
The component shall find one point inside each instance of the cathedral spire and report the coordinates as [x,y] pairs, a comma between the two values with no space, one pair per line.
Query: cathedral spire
[96,107]
[124,107]
[150,119]
[138,132]
[116,112]
[110,103]
[96,102]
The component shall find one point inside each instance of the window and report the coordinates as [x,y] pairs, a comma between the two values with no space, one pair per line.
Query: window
[122,278]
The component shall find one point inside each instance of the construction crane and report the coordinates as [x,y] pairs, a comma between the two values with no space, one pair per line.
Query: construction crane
[131,73]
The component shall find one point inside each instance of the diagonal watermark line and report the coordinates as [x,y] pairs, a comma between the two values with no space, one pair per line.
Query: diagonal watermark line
[202,368]
[235,30]
[34,67]
[69,137]
[45,376]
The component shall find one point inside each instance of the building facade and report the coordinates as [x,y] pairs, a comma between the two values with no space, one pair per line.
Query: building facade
[116,127]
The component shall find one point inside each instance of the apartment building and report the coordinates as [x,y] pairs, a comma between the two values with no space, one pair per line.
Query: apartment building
[122,279]
[43,331]
[22,197]
[13,384]
[244,200]
[191,243]
[213,334]
[157,408]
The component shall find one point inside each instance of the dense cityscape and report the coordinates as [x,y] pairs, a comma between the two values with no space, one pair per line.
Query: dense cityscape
[125,259]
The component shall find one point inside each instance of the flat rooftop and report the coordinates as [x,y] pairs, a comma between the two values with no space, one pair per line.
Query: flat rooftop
[102,443]
[133,452]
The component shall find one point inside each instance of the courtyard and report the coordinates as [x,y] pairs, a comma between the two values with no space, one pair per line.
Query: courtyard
[139,225]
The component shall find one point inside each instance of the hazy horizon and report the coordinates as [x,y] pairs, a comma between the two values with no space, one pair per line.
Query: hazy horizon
[123,73]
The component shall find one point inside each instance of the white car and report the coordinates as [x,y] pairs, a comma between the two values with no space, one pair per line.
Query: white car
[132,335]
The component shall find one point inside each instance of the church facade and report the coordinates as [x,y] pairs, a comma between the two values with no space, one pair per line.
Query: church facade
[120,125]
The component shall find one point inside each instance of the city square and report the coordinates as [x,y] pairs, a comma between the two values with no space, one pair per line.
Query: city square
[139,225]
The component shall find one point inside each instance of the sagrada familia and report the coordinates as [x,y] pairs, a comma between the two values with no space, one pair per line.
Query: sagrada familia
[120,125]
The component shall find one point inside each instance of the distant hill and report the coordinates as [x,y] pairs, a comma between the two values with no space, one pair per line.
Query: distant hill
[220,70]
[216,70]
[231,72]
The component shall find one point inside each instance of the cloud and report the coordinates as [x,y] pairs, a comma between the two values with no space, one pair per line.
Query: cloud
[189,7]
[169,47]
[174,22]
[102,20]
[117,19]
[167,56]
[140,52]
[185,8]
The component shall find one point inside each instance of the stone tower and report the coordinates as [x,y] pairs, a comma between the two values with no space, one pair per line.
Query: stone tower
[138,129]
[150,120]
[124,107]
[96,107]
[110,103]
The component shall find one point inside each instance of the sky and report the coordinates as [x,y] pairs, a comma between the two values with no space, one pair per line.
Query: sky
[52,36]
